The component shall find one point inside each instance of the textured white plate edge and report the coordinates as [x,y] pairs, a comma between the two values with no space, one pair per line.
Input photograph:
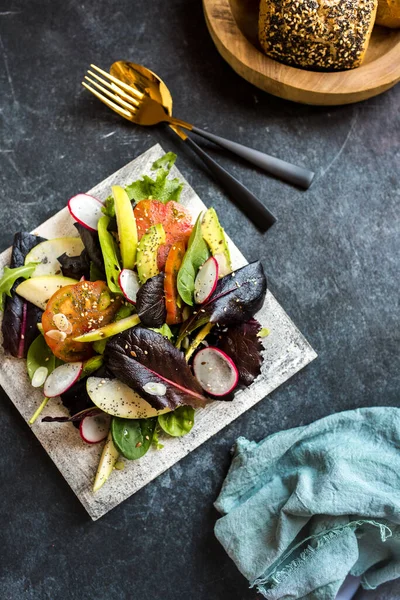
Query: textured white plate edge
[301,354]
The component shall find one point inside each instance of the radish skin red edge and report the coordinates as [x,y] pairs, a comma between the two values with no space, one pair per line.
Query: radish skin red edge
[62,378]
[215,371]
[94,429]
[129,283]
[206,280]
[86,210]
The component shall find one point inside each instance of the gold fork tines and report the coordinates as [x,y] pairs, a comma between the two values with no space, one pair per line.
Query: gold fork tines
[117,99]
[115,107]
[119,83]
[115,96]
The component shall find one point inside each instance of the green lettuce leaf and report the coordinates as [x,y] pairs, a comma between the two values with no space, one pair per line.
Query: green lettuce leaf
[10,276]
[109,208]
[160,188]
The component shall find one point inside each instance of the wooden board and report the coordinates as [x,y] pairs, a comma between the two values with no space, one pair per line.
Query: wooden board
[233,27]
[285,353]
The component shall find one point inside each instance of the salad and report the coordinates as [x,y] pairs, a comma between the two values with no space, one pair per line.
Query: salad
[135,323]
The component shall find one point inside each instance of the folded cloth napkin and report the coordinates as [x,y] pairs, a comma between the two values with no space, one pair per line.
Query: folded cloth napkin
[305,507]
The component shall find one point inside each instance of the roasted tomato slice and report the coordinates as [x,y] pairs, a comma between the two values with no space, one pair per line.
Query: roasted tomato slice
[85,305]
[175,218]
[172,266]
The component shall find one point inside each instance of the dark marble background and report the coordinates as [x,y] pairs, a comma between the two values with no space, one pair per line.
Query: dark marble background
[332,262]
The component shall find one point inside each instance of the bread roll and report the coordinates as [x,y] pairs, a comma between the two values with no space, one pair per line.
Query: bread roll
[388,13]
[320,35]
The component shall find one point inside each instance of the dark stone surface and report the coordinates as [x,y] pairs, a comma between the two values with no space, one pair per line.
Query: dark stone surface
[332,261]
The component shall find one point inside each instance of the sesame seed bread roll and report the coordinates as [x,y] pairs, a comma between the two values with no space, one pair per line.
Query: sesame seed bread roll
[388,13]
[319,35]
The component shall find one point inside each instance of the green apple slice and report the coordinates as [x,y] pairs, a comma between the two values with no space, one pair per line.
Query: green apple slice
[47,253]
[126,223]
[108,459]
[109,330]
[39,290]
[119,400]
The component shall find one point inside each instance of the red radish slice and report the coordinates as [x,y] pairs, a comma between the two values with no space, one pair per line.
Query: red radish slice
[129,283]
[215,371]
[39,377]
[86,210]
[62,378]
[206,281]
[95,429]
[223,265]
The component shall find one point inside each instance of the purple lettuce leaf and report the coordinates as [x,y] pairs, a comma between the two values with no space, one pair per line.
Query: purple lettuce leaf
[76,418]
[75,266]
[242,344]
[150,302]
[140,356]
[90,240]
[237,298]
[20,316]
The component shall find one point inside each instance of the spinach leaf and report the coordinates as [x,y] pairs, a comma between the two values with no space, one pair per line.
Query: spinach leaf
[160,188]
[133,437]
[196,255]
[179,422]
[243,345]
[75,266]
[10,276]
[139,356]
[110,256]
[39,355]
[150,302]
[236,299]
[20,317]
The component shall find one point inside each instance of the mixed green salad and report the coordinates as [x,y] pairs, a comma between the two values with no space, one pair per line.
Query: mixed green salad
[136,322]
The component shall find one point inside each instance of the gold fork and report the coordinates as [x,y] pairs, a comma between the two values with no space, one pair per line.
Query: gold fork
[137,107]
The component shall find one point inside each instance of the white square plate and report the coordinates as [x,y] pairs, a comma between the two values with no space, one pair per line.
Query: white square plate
[286,352]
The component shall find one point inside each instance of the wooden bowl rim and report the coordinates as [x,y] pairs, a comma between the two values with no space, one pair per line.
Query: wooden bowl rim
[387,66]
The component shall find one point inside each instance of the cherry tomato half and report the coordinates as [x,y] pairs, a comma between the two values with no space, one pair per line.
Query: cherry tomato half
[86,305]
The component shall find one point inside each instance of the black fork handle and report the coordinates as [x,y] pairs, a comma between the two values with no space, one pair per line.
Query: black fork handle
[293,174]
[259,214]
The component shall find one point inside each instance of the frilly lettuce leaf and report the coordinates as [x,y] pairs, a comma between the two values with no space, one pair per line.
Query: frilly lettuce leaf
[10,276]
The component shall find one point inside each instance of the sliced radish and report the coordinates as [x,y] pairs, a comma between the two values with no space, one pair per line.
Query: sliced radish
[129,283]
[224,268]
[95,429]
[215,371]
[86,210]
[62,378]
[39,377]
[206,280]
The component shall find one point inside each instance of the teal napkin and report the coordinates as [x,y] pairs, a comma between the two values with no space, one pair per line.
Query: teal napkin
[305,507]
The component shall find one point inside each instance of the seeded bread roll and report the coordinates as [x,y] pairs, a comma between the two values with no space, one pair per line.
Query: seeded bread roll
[320,35]
[388,13]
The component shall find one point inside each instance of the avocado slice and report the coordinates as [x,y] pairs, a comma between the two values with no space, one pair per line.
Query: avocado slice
[109,330]
[147,251]
[127,229]
[214,235]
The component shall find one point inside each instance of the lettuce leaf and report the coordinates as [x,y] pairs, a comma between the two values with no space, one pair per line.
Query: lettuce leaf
[139,356]
[150,302]
[10,276]
[160,188]
[242,343]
